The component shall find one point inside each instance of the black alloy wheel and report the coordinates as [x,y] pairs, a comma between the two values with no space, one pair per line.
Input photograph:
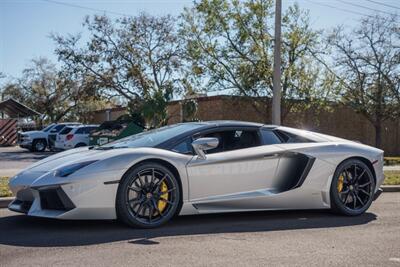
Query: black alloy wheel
[352,188]
[148,196]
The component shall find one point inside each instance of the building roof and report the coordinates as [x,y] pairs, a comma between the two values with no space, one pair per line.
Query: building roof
[15,109]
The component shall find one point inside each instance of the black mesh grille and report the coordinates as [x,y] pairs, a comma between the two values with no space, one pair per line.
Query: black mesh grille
[55,199]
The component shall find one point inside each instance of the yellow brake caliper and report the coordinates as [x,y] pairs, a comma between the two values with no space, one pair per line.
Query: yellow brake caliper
[162,204]
[340,183]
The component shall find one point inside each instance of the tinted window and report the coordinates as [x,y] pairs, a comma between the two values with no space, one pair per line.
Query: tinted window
[48,128]
[184,147]
[66,130]
[81,130]
[291,138]
[234,139]
[153,137]
[270,138]
[57,128]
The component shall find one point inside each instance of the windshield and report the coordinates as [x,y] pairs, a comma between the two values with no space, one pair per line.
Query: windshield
[48,128]
[154,137]
[57,128]
[66,130]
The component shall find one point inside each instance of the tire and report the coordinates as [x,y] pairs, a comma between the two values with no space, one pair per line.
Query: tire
[39,145]
[352,188]
[148,188]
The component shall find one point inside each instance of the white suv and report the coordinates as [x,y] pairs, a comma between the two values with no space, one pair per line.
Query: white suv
[74,136]
[39,140]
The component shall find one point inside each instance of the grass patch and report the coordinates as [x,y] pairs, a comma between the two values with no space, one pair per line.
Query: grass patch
[390,161]
[4,190]
[392,178]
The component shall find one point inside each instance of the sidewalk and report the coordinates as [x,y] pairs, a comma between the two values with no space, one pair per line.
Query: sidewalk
[391,168]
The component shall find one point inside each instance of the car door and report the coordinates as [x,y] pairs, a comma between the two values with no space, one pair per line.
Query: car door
[232,172]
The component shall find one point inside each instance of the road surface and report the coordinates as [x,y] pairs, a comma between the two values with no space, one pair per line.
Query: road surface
[302,238]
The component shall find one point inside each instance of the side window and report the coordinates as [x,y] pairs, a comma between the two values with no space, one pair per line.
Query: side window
[66,130]
[81,130]
[184,147]
[234,139]
[269,137]
[57,128]
[291,138]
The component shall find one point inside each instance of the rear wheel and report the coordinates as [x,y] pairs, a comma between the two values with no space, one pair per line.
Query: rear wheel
[39,145]
[352,188]
[148,196]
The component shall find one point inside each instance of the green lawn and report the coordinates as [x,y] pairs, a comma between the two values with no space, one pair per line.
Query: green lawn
[4,191]
[391,178]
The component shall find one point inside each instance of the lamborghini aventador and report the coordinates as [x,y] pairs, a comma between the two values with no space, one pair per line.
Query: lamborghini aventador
[202,167]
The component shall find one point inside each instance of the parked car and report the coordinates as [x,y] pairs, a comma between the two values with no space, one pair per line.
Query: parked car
[39,140]
[192,168]
[74,136]
[51,139]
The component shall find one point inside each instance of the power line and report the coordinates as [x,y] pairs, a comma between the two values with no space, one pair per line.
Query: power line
[338,8]
[361,6]
[383,4]
[85,7]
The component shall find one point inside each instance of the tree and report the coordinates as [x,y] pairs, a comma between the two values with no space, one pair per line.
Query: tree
[133,58]
[49,91]
[367,65]
[229,44]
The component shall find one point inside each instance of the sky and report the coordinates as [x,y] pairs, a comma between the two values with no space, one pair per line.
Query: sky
[25,25]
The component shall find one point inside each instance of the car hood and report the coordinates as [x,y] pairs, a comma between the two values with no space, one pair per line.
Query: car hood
[74,156]
[31,132]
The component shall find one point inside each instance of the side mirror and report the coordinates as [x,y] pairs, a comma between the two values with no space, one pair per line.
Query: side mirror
[202,144]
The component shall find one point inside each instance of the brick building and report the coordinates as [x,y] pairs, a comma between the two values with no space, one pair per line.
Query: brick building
[339,121]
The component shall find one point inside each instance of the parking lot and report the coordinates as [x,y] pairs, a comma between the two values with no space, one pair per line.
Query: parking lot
[14,159]
[295,238]
[241,239]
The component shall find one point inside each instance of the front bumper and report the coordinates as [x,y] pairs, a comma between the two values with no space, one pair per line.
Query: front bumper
[51,198]
[25,143]
[86,197]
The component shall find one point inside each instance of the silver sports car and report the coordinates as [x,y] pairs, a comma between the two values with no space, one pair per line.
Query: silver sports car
[202,167]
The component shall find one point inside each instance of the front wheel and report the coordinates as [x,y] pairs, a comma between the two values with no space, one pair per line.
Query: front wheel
[148,196]
[39,145]
[352,188]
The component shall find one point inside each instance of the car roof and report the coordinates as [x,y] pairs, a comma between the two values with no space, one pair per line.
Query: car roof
[86,125]
[228,123]
[68,123]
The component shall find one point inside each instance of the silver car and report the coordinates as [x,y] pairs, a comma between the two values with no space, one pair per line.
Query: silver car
[202,167]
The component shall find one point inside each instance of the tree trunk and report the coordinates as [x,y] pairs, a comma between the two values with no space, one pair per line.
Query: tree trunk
[378,134]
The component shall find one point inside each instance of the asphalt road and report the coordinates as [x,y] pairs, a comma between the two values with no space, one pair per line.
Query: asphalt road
[302,238]
[14,159]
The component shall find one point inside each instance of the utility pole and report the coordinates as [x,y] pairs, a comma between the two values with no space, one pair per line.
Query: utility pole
[276,98]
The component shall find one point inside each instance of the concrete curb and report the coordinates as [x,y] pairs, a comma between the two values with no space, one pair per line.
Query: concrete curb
[390,188]
[4,201]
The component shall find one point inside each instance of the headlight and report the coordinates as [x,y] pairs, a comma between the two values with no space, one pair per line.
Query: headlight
[70,169]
